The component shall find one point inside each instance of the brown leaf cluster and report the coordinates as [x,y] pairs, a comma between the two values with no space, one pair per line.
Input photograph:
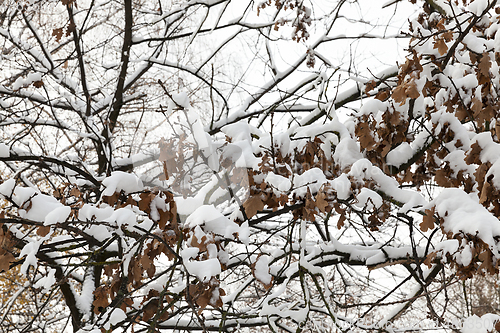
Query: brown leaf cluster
[476,109]
[142,265]
[482,262]
[204,294]
[153,305]
[378,138]
[428,220]
[301,21]
[6,245]
[404,91]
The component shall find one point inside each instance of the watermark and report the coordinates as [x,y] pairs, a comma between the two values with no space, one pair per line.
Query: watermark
[474,323]
[192,164]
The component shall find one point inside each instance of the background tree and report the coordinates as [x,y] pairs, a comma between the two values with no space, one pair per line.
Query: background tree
[221,166]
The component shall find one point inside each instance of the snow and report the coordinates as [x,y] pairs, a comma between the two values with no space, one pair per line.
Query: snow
[238,131]
[181,99]
[121,181]
[443,118]
[204,144]
[137,159]
[214,222]
[90,211]
[246,158]
[342,185]
[99,232]
[313,179]
[353,178]
[185,206]
[23,194]
[282,184]
[30,250]
[58,215]
[158,203]
[22,82]
[496,43]
[203,270]
[400,155]
[370,254]
[490,150]
[268,309]
[448,246]
[46,282]
[37,207]
[86,297]
[368,199]
[261,270]
[463,213]
[7,187]
[495,172]
[469,81]
[372,106]
[464,258]
[330,131]
[4,150]
[478,6]
[346,153]
[456,160]
[474,43]
[122,216]
[32,77]
[117,315]
[364,170]
[89,330]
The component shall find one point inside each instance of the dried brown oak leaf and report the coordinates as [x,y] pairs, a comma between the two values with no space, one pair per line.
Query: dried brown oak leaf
[428,220]
[473,155]
[487,262]
[111,200]
[148,265]
[340,222]
[477,106]
[75,192]
[370,86]
[145,202]
[253,205]
[441,46]
[484,64]
[43,231]
[399,95]
[321,202]
[448,36]
[201,244]
[5,260]
[430,258]
[150,309]
[382,95]
[58,33]
[486,193]
[485,115]
[412,90]
[497,326]
[100,298]
[71,27]
[38,84]
[6,239]
[164,218]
